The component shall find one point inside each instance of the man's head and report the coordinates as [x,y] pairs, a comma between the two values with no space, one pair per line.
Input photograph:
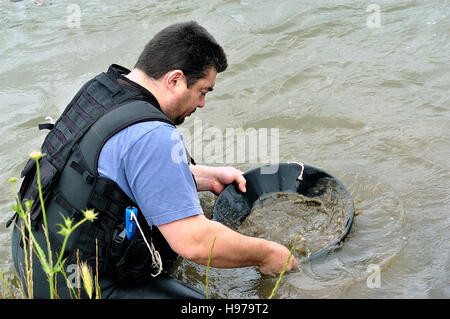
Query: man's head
[182,60]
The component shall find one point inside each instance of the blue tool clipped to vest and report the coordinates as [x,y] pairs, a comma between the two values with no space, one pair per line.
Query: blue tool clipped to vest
[130,221]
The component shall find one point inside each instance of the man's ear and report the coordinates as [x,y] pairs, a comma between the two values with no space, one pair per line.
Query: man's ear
[174,79]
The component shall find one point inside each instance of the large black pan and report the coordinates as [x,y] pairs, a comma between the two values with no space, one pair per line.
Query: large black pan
[232,206]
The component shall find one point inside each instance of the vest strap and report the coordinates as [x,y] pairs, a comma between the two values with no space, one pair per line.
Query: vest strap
[46,126]
[112,87]
[9,222]
[87,176]
[64,203]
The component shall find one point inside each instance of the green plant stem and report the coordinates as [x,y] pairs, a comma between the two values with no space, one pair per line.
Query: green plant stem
[284,268]
[44,215]
[66,238]
[48,266]
[47,238]
[207,267]
[28,226]
[71,289]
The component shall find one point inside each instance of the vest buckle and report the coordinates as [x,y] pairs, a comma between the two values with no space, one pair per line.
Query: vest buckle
[120,237]
[88,177]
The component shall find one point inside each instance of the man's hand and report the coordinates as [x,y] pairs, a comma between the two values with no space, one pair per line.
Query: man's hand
[215,179]
[223,176]
[274,262]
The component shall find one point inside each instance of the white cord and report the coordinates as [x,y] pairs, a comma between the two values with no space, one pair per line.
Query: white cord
[156,257]
[300,177]
[49,118]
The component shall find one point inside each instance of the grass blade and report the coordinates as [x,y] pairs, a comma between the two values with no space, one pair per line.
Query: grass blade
[207,267]
[284,269]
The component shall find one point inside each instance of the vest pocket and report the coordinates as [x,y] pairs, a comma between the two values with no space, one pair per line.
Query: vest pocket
[131,260]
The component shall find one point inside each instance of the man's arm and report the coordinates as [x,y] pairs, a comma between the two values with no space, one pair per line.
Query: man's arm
[215,179]
[192,238]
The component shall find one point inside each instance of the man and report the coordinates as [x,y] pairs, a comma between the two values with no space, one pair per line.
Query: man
[116,145]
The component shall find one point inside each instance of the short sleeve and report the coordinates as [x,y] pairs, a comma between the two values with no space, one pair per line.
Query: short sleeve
[149,163]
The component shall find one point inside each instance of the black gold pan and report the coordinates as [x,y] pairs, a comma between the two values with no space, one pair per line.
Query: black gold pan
[232,206]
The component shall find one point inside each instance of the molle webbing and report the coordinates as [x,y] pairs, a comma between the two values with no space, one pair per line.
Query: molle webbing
[91,102]
[88,105]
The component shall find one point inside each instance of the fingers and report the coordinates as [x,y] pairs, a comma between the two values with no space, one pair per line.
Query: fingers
[272,271]
[241,181]
[228,175]
[293,264]
[275,261]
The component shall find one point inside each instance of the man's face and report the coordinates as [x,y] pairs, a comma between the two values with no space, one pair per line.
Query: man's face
[188,99]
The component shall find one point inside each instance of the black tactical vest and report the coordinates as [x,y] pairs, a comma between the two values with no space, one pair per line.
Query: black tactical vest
[71,182]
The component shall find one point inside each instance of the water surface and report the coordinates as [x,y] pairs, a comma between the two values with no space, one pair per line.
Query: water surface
[368,105]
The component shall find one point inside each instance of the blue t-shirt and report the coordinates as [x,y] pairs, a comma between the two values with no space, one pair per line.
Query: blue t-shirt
[148,162]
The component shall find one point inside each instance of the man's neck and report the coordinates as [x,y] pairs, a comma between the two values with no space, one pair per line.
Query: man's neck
[153,86]
[138,76]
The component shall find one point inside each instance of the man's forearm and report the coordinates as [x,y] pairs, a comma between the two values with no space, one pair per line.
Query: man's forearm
[204,176]
[231,249]
[192,238]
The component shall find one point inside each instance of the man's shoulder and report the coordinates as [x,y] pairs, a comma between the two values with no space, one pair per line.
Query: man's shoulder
[157,127]
[150,137]
[157,132]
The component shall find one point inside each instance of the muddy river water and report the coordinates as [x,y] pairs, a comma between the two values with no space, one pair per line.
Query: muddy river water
[313,223]
[356,88]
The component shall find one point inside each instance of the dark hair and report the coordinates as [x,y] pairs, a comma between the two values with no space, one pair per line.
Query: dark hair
[185,46]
